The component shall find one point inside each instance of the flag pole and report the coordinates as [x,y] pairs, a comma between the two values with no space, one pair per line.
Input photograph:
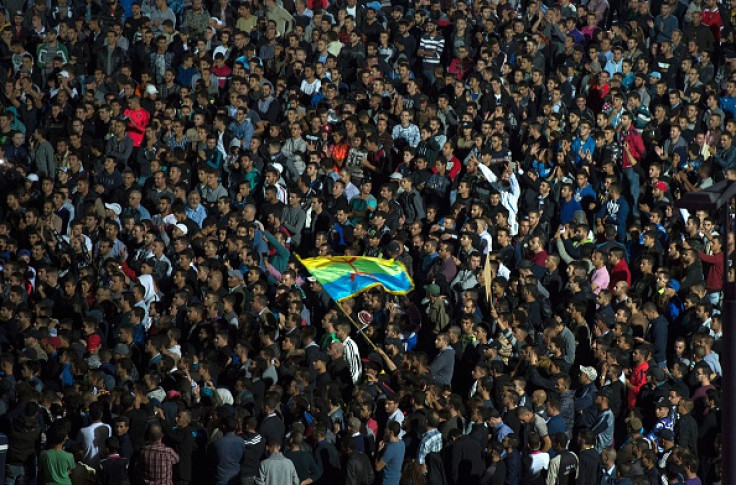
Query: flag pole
[487,280]
[357,327]
[339,306]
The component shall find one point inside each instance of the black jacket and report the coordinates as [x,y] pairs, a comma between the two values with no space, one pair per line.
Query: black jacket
[182,441]
[23,439]
[272,426]
[358,469]
[327,457]
[589,468]
[255,447]
[466,461]
[686,433]
[117,59]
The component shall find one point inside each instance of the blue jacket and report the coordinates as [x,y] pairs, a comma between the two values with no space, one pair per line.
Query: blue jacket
[577,145]
[228,452]
[616,212]
[727,158]
[728,105]
[443,366]
[567,210]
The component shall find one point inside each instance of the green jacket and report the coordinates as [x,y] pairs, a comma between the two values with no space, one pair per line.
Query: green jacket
[281,258]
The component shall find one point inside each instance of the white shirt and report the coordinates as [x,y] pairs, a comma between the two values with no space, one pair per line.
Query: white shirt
[93,437]
[398,416]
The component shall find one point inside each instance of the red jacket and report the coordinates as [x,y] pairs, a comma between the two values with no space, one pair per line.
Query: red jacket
[637,379]
[137,122]
[636,147]
[620,272]
[714,279]
[712,18]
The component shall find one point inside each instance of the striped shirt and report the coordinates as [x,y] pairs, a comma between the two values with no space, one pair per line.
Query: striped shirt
[431,442]
[352,355]
[435,44]
[409,133]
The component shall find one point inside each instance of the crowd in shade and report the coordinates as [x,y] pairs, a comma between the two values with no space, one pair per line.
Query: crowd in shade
[167,168]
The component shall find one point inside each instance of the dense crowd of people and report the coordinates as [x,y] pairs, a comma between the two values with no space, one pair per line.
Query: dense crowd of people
[163,163]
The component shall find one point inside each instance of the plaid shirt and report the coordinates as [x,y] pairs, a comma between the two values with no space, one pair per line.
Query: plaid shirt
[431,442]
[158,462]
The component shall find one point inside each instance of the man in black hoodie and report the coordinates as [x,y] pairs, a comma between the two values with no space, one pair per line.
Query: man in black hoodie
[358,468]
[589,458]
[181,439]
[255,448]
[24,440]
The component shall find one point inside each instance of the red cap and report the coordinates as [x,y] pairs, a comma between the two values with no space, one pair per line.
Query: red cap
[55,342]
[661,186]
[93,342]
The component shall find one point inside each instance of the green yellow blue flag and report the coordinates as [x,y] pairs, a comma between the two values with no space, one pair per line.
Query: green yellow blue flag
[345,276]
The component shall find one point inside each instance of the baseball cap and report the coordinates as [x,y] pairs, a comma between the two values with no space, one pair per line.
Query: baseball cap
[666,434]
[93,342]
[235,273]
[53,341]
[674,284]
[495,344]
[183,228]
[655,74]
[396,342]
[580,217]
[661,186]
[151,89]
[657,374]
[121,349]
[393,247]
[115,207]
[589,371]
[432,290]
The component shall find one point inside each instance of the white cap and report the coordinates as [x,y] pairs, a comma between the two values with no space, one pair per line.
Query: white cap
[115,207]
[589,371]
[183,228]
[151,89]
[278,167]
[32,177]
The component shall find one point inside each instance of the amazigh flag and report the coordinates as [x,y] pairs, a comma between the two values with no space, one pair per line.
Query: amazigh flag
[345,276]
